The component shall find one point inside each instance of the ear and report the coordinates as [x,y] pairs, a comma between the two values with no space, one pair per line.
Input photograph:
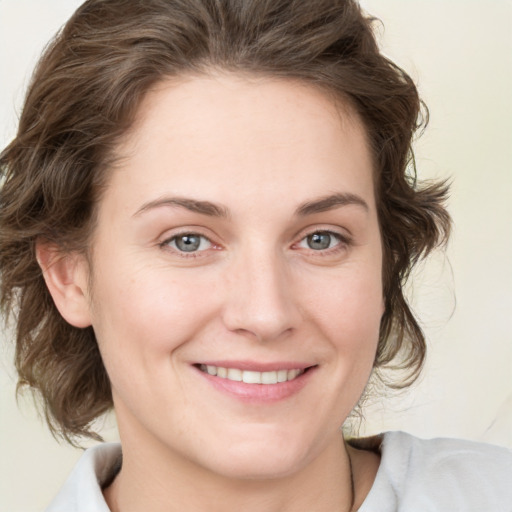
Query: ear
[66,276]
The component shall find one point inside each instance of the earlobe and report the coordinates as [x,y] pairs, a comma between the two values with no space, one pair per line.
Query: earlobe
[66,277]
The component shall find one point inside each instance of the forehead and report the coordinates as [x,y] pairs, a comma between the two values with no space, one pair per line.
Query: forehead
[212,134]
[227,99]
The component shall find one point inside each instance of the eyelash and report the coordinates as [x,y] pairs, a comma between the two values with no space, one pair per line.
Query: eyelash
[343,242]
[184,254]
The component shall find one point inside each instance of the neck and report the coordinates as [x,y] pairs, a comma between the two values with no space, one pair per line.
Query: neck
[153,478]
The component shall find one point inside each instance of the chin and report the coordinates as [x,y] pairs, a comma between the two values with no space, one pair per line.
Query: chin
[248,468]
[258,458]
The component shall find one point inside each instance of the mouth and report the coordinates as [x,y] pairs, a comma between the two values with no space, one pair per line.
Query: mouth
[256,383]
[251,376]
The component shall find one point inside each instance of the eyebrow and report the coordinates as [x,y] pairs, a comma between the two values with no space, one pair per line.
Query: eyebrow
[194,205]
[319,205]
[330,202]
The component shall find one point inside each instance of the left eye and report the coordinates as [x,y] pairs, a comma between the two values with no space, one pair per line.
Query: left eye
[320,240]
[189,242]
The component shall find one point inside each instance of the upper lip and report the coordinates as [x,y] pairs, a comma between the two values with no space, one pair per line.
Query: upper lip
[258,366]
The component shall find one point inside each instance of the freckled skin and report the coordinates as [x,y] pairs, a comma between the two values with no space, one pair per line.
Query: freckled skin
[254,290]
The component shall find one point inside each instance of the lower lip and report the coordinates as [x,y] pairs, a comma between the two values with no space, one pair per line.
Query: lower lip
[259,393]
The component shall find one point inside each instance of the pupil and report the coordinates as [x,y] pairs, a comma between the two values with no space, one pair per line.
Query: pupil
[319,241]
[188,243]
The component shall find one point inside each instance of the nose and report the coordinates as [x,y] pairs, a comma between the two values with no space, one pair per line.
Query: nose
[260,300]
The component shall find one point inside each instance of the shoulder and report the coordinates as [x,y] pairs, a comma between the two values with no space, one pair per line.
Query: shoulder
[82,491]
[441,474]
[401,449]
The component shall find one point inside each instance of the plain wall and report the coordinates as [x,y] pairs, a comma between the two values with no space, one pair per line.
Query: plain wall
[460,53]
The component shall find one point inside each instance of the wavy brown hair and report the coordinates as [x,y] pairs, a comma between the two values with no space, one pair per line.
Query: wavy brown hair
[82,99]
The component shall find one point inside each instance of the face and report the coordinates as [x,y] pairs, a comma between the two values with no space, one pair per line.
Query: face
[237,291]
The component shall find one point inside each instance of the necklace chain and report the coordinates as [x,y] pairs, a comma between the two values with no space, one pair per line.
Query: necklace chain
[352,484]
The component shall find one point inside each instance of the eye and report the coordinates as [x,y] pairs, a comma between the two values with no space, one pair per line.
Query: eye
[188,242]
[321,240]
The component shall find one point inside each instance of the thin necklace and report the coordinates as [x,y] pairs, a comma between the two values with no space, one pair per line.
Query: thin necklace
[352,484]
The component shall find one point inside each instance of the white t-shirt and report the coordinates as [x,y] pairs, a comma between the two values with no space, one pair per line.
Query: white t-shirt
[417,475]
[414,475]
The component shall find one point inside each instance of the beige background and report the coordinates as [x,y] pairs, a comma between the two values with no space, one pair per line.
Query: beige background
[460,53]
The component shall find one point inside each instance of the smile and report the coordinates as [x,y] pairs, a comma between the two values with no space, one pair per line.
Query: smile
[252,377]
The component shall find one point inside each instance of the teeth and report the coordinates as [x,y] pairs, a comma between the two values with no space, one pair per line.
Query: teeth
[251,377]
[292,374]
[234,374]
[269,378]
[282,375]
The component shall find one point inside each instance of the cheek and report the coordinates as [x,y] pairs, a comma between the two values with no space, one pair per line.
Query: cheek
[149,310]
[350,307]
[349,319]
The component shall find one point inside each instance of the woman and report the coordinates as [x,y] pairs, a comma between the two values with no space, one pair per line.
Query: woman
[207,218]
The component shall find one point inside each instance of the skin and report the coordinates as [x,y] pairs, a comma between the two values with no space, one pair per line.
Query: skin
[255,290]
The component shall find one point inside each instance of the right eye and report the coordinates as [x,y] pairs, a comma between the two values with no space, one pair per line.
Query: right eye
[188,243]
[322,240]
